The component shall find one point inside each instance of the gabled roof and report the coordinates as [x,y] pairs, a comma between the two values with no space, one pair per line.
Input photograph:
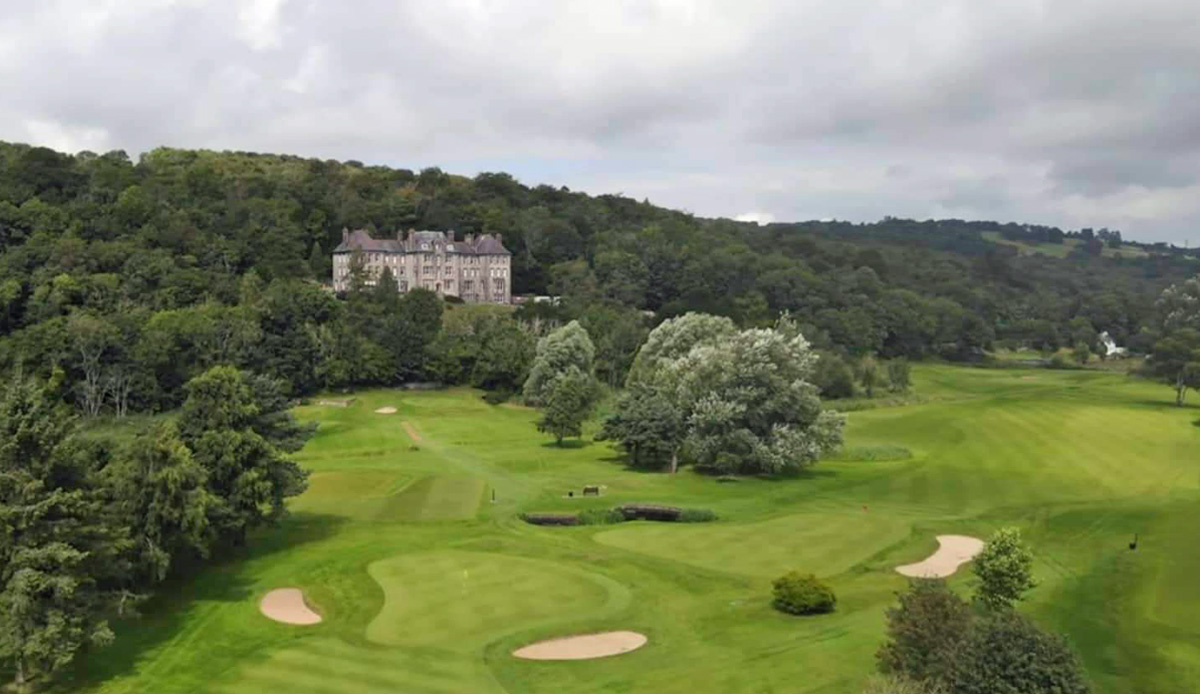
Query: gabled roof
[360,239]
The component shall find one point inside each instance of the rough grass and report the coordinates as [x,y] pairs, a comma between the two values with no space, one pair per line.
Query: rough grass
[1080,460]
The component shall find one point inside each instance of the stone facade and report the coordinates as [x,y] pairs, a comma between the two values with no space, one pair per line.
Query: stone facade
[477,269]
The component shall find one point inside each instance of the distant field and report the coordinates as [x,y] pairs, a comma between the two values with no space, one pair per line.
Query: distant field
[426,584]
[1060,250]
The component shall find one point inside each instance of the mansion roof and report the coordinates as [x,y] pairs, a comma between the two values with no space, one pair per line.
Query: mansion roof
[422,241]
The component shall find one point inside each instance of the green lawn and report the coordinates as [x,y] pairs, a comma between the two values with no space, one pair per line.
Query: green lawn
[1060,250]
[426,583]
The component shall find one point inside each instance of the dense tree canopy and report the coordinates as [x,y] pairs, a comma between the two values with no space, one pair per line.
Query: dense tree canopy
[1176,353]
[135,277]
[734,401]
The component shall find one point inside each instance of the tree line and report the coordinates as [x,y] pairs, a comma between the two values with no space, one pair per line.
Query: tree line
[92,525]
[134,277]
[699,391]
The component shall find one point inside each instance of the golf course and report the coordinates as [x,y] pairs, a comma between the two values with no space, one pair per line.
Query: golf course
[410,547]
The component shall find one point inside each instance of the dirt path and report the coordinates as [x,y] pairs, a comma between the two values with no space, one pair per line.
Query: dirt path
[583,647]
[386,410]
[953,551]
[412,433]
[287,605]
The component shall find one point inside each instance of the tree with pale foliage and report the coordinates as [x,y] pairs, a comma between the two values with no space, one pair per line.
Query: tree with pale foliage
[751,405]
[673,339]
[733,401]
[1175,359]
[566,348]
[1004,569]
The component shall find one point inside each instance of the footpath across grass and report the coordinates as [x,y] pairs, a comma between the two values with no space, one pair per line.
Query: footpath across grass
[427,582]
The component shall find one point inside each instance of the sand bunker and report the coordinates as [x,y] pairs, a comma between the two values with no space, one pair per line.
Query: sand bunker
[287,605]
[583,647]
[386,410]
[953,552]
[412,433]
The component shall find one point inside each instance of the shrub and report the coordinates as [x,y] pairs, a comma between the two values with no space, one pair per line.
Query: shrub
[833,377]
[495,397]
[696,515]
[797,593]
[550,518]
[600,516]
[652,512]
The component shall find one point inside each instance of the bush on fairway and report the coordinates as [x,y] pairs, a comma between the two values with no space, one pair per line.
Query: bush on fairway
[600,516]
[550,518]
[697,515]
[669,514]
[797,593]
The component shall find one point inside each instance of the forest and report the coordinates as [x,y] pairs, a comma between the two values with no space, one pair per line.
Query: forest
[131,278]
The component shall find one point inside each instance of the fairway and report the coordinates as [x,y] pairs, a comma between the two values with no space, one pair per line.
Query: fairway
[425,582]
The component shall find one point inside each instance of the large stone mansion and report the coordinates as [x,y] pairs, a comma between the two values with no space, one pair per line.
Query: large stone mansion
[477,269]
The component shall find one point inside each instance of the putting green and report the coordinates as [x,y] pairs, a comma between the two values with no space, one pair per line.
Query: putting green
[825,544]
[461,600]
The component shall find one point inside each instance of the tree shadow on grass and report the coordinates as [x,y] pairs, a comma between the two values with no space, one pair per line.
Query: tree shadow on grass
[1166,405]
[192,583]
[567,444]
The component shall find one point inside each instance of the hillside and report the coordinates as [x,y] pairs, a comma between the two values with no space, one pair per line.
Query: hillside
[155,250]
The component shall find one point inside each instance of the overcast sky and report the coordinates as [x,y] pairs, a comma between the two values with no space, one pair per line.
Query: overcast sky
[1068,112]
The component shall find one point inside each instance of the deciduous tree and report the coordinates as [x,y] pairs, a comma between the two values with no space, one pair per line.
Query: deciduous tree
[750,404]
[925,632]
[248,477]
[1006,652]
[566,348]
[1004,569]
[567,401]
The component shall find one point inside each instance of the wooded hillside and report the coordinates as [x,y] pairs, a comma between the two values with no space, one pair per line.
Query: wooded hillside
[134,277]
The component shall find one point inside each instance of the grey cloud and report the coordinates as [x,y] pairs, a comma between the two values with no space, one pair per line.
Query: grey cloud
[1071,112]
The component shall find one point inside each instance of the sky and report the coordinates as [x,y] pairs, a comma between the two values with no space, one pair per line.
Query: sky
[1067,112]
